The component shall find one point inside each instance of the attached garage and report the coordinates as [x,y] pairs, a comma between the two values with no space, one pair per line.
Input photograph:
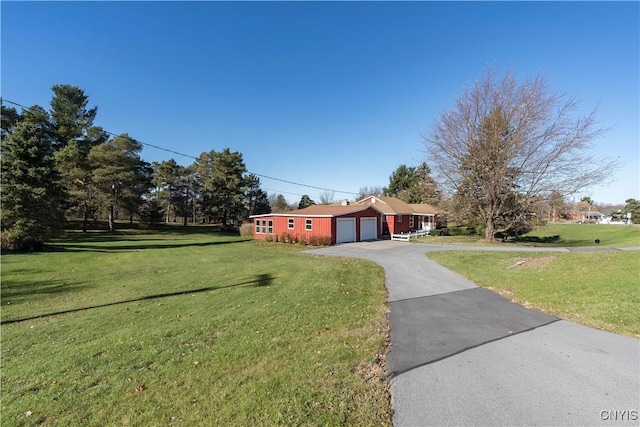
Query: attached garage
[368,228]
[320,224]
[345,230]
[368,219]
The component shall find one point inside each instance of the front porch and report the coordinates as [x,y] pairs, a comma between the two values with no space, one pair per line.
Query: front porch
[412,234]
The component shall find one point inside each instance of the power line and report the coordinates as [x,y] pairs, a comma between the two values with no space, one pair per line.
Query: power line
[195,158]
[312,196]
[304,185]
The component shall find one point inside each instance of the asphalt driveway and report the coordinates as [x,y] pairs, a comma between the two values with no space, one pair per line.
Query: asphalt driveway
[463,355]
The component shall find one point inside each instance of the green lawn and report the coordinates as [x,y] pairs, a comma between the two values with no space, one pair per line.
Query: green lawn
[191,328]
[559,235]
[597,289]
[574,235]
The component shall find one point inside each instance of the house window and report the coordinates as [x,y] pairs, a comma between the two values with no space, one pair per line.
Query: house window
[270,230]
[308,224]
[257,226]
[411,221]
[264,226]
[291,223]
[400,218]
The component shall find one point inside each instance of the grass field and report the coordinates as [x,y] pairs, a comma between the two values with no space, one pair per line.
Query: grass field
[191,327]
[578,235]
[560,235]
[597,289]
[188,327]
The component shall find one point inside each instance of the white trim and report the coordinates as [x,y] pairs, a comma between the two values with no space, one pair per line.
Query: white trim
[374,200]
[308,224]
[291,224]
[406,236]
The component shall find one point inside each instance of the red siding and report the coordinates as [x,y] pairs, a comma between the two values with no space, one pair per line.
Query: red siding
[322,227]
[403,226]
[390,220]
[396,227]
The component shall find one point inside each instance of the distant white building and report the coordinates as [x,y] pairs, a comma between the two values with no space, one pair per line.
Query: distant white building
[592,216]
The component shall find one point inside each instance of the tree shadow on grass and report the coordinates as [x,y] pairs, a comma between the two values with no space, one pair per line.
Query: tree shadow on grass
[556,241]
[142,244]
[16,292]
[535,239]
[102,227]
[257,281]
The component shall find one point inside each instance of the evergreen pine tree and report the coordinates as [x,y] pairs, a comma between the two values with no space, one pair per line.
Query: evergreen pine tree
[32,196]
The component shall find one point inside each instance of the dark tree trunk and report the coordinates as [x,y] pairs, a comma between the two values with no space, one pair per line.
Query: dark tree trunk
[112,225]
[85,220]
[185,209]
[112,208]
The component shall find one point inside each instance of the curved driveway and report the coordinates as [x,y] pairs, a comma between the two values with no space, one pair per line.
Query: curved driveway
[463,355]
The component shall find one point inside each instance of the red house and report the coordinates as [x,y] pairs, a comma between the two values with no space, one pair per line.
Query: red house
[367,219]
[400,217]
[329,224]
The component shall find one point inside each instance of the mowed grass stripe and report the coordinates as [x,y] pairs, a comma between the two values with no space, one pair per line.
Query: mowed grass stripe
[597,289]
[280,338]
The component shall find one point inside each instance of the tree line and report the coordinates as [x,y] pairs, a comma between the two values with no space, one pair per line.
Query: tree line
[57,164]
[506,153]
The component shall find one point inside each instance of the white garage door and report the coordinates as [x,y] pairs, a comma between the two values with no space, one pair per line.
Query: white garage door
[368,229]
[346,230]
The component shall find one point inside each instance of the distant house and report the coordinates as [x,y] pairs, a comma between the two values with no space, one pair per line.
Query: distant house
[584,216]
[592,216]
[367,219]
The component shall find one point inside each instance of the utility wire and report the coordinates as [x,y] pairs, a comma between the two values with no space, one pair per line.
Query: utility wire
[304,185]
[192,157]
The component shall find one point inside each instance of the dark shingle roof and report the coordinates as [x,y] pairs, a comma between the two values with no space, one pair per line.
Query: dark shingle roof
[425,209]
[387,205]
[321,210]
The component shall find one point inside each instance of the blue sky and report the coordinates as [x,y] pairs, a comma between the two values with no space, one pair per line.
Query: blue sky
[328,94]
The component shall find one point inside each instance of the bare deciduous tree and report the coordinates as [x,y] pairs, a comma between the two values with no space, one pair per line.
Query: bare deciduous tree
[365,192]
[506,144]
[327,197]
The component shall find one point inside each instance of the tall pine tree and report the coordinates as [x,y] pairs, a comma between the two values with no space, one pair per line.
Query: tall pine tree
[228,185]
[32,196]
[120,175]
[69,114]
[165,178]
[257,200]
[77,173]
